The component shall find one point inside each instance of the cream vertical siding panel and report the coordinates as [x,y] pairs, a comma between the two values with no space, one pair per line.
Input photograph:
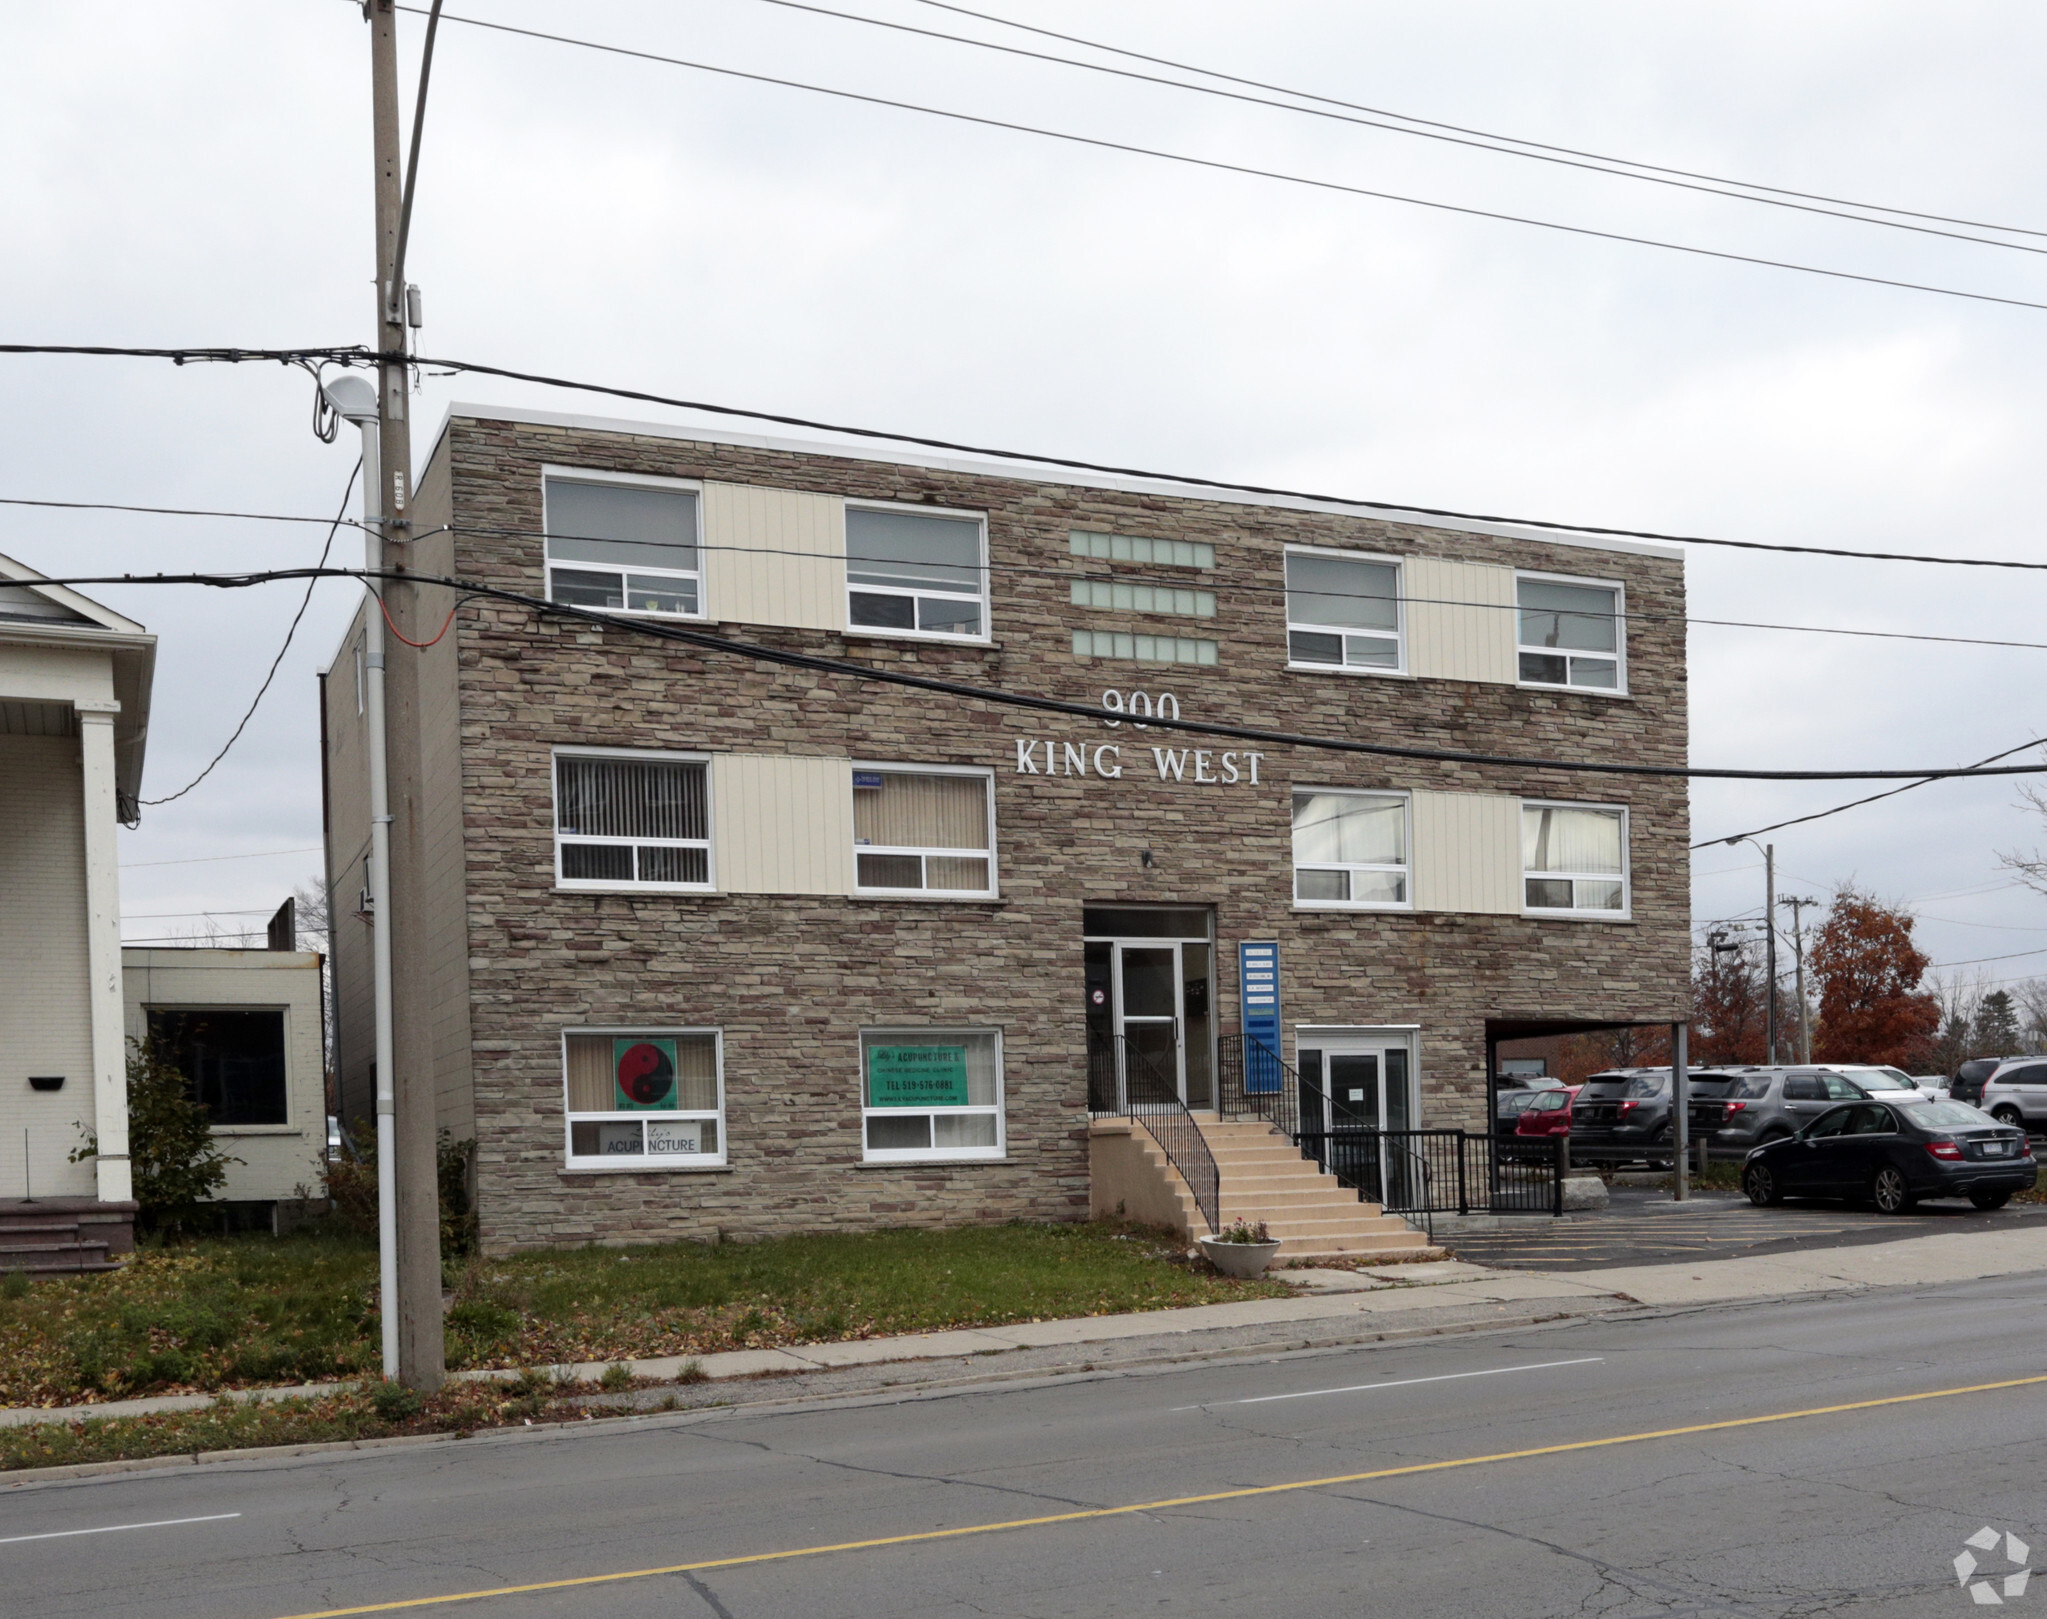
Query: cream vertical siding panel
[781,825]
[1467,853]
[774,556]
[1460,642]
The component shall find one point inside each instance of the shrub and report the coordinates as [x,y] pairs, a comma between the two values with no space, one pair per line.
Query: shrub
[351,1186]
[616,1376]
[395,1402]
[171,1153]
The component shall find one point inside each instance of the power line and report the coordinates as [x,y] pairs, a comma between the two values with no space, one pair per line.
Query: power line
[1249,170]
[1398,511]
[1857,803]
[172,511]
[312,584]
[819,664]
[207,859]
[1470,140]
[1480,134]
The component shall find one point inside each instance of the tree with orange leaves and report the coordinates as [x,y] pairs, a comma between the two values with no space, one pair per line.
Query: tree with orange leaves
[1868,970]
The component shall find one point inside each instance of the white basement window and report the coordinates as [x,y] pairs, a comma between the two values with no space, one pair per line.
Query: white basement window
[644,1098]
[923,833]
[1574,860]
[631,821]
[1342,613]
[931,1094]
[915,573]
[1350,849]
[1570,634]
[623,547]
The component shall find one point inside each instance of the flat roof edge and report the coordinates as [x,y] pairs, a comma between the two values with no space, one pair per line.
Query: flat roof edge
[1025,470]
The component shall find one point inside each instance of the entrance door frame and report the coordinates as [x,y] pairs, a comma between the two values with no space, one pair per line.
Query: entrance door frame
[1118,943]
[1350,1039]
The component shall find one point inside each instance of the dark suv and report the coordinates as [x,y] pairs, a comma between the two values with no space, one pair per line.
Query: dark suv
[1625,1112]
[1736,1109]
[1965,1084]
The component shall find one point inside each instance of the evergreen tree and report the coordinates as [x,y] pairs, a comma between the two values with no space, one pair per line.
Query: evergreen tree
[1997,1025]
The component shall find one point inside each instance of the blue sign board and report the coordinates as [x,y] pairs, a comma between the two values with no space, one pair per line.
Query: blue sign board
[1258,993]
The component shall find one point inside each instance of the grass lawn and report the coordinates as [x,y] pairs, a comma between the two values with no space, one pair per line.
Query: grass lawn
[246,1311]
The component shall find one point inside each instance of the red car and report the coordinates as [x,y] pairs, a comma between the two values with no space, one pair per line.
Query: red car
[1546,1117]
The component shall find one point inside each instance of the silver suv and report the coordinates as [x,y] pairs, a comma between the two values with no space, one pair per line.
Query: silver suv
[1738,1108]
[2017,1093]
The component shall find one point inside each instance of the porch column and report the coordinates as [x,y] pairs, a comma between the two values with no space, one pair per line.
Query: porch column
[103,952]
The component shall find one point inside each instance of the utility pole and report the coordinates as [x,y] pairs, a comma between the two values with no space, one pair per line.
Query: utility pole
[412,1166]
[1769,937]
[1798,902]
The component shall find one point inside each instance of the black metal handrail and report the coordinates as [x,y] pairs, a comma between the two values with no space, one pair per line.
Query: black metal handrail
[1253,1081]
[1431,1172]
[1124,1081]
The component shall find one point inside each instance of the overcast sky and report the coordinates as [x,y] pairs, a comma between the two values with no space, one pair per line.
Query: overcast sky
[200,174]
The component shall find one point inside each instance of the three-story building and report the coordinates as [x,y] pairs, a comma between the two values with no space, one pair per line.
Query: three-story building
[720,944]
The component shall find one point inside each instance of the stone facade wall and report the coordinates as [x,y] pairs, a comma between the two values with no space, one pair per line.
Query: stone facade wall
[791,980]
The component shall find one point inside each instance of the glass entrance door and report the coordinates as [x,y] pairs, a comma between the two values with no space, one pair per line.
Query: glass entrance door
[1352,1090]
[1148,999]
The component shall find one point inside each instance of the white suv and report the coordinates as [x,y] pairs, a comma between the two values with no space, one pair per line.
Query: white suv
[1886,1084]
[2016,1093]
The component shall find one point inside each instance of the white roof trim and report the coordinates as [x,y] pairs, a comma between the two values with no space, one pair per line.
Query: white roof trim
[20,573]
[1027,471]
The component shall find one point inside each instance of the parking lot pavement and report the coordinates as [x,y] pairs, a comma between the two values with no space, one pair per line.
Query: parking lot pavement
[1643,1227]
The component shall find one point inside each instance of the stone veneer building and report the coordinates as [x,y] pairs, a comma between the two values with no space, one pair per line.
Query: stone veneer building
[719,945]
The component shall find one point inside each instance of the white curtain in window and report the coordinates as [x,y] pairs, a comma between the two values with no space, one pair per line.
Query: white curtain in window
[590,1072]
[1333,829]
[923,812]
[1559,838]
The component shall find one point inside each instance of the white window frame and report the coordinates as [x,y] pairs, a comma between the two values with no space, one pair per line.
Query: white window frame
[641,1163]
[1627,875]
[629,480]
[1407,842]
[592,885]
[878,632]
[931,1155]
[940,895]
[1399,632]
[1619,655]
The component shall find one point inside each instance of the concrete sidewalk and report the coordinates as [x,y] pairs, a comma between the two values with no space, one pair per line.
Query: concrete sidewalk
[1333,1306]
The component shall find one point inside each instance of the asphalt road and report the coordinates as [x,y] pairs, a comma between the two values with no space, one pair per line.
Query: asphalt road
[1643,1227]
[1857,1511]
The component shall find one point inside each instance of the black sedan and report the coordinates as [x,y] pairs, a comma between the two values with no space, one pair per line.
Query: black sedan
[1893,1156]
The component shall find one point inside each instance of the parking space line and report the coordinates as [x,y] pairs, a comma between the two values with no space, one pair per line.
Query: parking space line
[116,1528]
[1248,1492]
[1397,1383]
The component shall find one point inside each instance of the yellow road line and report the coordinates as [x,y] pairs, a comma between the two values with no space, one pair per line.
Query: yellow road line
[1160,1506]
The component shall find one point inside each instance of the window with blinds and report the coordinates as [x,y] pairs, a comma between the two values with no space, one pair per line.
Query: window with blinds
[1574,859]
[915,573]
[631,822]
[644,1098]
[923,832]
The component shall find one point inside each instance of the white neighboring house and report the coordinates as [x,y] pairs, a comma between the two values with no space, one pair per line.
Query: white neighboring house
[74,717]
[245,1028]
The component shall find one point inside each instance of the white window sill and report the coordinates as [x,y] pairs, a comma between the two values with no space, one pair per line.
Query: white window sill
[1574,691]
[873,632]
[1347,669]
[1352,905]
[634,612]
[1577,916]
[645,1167]
[913,1159]
[574,886]
[927,895]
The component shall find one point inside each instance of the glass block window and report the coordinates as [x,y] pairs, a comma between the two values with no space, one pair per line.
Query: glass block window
[1143,648]
[1154,553]
[1119,597]
[623,547]
[631,822]
[644,1099]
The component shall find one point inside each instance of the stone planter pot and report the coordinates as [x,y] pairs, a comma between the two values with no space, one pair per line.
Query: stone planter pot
[1242,1259]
